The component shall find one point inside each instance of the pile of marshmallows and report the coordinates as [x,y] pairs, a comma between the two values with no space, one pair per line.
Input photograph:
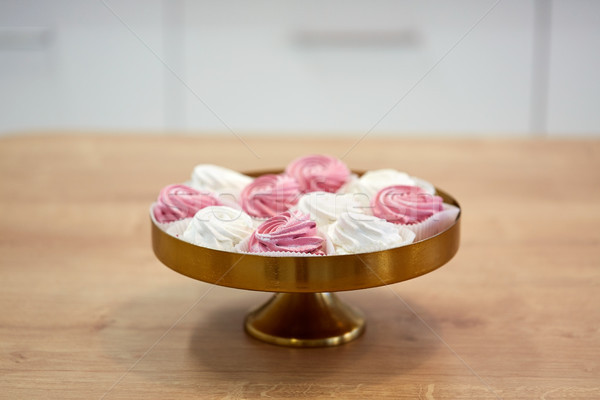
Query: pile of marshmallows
[316,207]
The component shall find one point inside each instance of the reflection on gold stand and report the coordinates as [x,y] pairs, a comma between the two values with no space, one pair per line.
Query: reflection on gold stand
[305,320]
[305,313]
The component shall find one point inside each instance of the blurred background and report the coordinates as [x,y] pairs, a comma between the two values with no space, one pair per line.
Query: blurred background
[520,68]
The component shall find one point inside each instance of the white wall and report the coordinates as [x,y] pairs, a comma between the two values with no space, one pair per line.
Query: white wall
[466,68]
[72,64]
[574,83]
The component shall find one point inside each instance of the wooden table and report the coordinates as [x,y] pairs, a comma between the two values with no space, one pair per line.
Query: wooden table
[86,310]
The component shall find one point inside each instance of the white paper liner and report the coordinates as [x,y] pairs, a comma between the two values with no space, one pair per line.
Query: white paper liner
[435,224]
[230,249]
[242,247]
[178,227]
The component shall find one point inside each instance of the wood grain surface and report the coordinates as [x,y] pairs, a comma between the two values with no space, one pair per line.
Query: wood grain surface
[86,310]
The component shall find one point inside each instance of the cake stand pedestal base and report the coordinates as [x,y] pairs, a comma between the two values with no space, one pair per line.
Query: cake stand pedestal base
[305,320]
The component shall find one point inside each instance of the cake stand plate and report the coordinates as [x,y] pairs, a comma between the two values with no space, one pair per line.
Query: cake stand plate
[305,312]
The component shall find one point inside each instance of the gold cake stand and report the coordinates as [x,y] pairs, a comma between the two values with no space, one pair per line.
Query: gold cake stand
[305,312]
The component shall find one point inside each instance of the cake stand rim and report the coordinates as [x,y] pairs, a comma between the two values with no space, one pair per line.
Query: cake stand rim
[314,274]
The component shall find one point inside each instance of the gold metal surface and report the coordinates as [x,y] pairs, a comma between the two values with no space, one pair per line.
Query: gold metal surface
[307,275]
[305,320]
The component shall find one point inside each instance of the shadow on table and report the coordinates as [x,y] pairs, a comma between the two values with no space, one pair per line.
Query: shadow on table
[395,342]
[209,350]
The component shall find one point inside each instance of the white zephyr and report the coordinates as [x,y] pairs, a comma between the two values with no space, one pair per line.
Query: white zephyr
[218,227]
